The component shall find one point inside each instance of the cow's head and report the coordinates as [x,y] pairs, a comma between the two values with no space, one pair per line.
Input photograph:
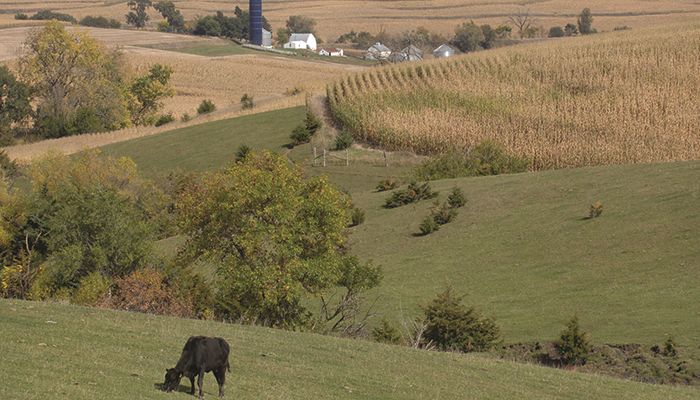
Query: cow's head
[172,380]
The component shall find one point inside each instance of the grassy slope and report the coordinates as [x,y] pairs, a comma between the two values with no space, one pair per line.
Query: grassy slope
[521,251]
[212,145]
[53,351]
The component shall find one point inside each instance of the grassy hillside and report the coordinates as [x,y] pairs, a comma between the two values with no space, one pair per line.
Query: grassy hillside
[212,145]
[53,351]
[521,251]
[611,98]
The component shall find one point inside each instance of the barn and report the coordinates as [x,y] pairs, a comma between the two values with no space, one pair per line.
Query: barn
[410,53]
[301,41]
[378,52]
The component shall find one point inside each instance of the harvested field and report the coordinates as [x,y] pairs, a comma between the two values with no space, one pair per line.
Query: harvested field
[612,98]
[339,16]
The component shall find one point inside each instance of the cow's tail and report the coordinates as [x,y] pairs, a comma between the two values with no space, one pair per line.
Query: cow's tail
[227,350]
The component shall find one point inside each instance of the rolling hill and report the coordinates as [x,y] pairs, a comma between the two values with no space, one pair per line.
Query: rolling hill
[60,351]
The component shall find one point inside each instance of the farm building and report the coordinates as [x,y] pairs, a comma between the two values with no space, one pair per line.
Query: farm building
[378,52]
[444,51]
[266,38]
[410,53]
[301,41]
[331,52]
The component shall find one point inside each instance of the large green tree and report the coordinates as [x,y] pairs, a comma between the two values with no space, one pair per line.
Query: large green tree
[147,93]
[78,83]
[275,235]
[15,103]
[176,22]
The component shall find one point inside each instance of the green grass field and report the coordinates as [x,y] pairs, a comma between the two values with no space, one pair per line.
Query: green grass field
[53,351]
[215,49]
[213,144]
[521,251]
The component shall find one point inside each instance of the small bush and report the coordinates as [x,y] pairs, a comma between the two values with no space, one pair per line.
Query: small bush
[669,348]
[556,32]
[443,214]
[247,102]
[185,117]
[164,119]
[595,210]
[8,167]
[205,107]
[450,326]
[242,152]
[456,198]
[413,193]
[387,184]
[312,122]
[428,226]
[21,16]
[344,141]
[146,291]
[100,22]
[386,333]
[487,158]
[293,91]
[47,15]
[573,345]
[357,216]
[91,290]
[300,135]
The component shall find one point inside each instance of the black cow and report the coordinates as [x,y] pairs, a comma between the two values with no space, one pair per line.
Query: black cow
[200,355]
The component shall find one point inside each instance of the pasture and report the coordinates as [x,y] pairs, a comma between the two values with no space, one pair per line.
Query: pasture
[606,99]
[59,351]
[339,16]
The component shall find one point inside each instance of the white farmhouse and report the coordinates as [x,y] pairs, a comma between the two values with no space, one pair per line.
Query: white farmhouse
[301,41]
[331,52]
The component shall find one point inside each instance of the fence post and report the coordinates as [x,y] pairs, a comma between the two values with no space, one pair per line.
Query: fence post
[386,160]
[324,157]
[314,161]
[347,157]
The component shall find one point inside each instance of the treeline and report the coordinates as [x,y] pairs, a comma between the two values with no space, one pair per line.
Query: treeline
[84,231]
[68,83]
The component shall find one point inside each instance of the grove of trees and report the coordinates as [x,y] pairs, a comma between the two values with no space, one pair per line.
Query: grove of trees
[68,83]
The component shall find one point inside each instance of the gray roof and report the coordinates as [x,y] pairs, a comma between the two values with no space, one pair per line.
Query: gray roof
[413,50]
[379,47]
[300,37]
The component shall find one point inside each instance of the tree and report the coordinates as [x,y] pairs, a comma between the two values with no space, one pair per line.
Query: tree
[450,326]
[467,37]
[523,21]
[78,83]
[503,31]
[301,24]
[15,104]
[207,26]
[147,93]
[282,35]
[87,214]
[574,344]
[275,236]
[571,30]
[585,22]
[489,36]
[138,15]
[172,15]
[556,31]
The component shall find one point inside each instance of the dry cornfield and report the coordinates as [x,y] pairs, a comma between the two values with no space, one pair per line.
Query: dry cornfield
[339,16]
[622,97]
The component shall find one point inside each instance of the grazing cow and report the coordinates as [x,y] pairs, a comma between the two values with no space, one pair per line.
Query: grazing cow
[200,355]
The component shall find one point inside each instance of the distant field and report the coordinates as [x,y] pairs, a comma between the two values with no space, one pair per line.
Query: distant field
[54,351]
[611,98]
[339,16]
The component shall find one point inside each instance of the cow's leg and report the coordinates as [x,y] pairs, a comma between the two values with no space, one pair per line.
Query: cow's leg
[200,381]
[220,375]
[191,384]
